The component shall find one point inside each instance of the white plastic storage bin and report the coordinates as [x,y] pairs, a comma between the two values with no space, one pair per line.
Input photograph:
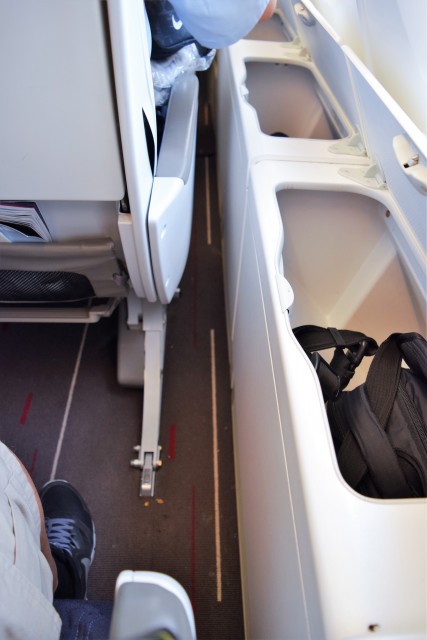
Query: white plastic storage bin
[329,232]
[248,72]
[288,101]
[317,80]
[354,273]
[319,560]
[302,89]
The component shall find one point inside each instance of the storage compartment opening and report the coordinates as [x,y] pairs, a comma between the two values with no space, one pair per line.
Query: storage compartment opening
[289,102]
[344,266]
[272,30]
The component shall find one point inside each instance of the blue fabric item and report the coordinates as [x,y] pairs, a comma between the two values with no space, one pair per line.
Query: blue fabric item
[219,23]
[84,619]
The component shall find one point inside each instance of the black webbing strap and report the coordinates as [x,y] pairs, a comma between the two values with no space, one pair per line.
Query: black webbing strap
[316,338]
[376,448]
[381,387]
[383,378]
[351,462]
[414,351]
[329,380]
[350,348]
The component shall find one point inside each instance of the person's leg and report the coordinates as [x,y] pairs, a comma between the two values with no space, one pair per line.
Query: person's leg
[44,544]
[26,585]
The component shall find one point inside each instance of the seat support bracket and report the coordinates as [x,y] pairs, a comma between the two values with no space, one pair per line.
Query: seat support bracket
[153,328]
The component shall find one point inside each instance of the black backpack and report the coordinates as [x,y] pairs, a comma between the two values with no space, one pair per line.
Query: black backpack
[379,429]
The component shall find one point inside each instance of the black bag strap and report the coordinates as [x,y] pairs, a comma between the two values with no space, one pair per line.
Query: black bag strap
[383,376]
[375,447]
[350,348]
[414,350]
[351,461]
[381,387]
[316,338]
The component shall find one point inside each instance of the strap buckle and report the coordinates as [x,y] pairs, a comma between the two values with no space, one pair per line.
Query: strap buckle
[356,357]
[345,362]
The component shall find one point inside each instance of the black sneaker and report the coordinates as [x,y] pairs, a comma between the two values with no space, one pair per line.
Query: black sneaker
[71,535]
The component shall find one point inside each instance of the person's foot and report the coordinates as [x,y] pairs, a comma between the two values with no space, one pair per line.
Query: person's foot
[71,535]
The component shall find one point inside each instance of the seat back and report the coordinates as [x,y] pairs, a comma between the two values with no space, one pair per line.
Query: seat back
[79,159]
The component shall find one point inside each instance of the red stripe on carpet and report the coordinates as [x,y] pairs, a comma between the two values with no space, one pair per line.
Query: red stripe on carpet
[172,437]
[33,461]
[26,409]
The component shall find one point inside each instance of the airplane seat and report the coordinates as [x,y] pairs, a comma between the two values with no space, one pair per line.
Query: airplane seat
[147,605]
[92,214]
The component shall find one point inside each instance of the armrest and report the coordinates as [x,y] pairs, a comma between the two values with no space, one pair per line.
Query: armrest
[147,601]
[176,152]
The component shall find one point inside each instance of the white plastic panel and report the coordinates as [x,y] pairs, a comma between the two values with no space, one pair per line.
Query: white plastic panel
[276,29]
[169,223]
[171,206]
[71,220]
[349,548]
[131,59]
[324,47]
[343,16]
[393,142]
[273,590]
[287,8]
[232,178]
[395,50]
[59,137]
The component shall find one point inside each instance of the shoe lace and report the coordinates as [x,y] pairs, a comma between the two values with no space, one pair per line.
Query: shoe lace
[61,533]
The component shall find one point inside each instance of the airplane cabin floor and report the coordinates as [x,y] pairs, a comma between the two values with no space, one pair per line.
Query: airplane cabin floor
[60,396]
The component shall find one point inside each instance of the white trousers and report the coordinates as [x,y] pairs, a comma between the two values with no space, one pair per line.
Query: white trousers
[26,591]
